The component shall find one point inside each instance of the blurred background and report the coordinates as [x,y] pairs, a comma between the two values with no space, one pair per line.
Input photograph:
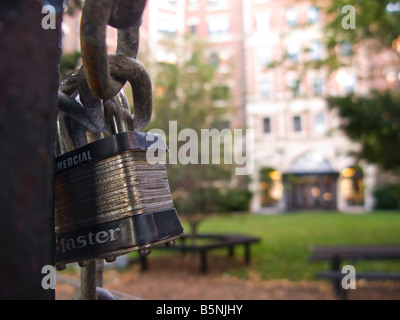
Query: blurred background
[318,82]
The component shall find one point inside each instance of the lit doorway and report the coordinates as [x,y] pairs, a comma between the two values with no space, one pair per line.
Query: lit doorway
[311,184]
[311,191]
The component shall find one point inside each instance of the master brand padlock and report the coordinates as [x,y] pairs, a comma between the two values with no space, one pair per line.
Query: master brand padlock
[110,199]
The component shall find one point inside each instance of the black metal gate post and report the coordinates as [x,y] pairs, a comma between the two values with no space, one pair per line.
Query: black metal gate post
[29,58]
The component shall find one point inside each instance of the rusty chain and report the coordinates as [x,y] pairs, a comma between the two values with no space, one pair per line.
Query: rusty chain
[99,81]
[102,106]
[125,15]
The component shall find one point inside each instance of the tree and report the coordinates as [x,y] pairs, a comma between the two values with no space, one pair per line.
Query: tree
[185,95]
[373,23]
[372,120]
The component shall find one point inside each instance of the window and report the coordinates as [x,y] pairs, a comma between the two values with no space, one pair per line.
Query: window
[313,15]
[262,20]
[346,49]
[165,56]
[214,60]
[320,123]
[193,28]
[265,88]
[291,17]
[267,125]
[264,55]
[218,4]
[294,86]
[346,80]
[271,188]
[293,52]
[167,3]
[315,50]
[352,186]
[318,86]
[297,124]
[218,26]
[350,84]
[220,60]
[167,24]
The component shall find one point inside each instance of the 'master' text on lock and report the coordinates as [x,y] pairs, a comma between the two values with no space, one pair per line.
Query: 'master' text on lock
[80,242]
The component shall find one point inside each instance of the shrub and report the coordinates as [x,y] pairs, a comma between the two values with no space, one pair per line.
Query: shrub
[387,196]
[235,200]
[214,200]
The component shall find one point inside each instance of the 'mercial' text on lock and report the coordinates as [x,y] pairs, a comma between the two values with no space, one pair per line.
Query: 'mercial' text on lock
[74,161]
[80,242]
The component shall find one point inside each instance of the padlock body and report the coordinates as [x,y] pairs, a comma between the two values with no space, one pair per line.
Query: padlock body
[110,198]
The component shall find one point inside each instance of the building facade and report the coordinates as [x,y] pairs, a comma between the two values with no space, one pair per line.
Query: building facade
[268,54]
[301,157]
[219,24]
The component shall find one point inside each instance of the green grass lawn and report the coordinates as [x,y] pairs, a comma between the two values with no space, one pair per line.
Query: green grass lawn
[283,252]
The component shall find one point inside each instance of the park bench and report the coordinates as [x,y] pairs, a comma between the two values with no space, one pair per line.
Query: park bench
[337,254]
[213,242]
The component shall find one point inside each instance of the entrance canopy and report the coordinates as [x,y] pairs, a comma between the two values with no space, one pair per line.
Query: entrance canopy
[311,163]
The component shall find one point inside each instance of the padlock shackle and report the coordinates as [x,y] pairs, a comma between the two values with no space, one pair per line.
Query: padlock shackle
[76,110]
[118,118]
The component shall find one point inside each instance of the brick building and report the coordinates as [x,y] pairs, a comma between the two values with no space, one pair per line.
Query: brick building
[301,158]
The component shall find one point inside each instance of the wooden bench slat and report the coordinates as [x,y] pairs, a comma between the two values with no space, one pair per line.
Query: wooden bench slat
[220,241]
[336,254]
[336,275]
[355,252]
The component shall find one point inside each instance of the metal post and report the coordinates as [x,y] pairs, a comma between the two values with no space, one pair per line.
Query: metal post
[88,281]
[29,56]
[99,273]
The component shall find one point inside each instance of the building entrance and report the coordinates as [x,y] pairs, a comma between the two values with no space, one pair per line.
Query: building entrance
[309,192]
[311,184]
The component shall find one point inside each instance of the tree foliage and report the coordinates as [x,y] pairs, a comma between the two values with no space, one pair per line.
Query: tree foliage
[184,95]
[377,24]
[72,6]
[374,122]
[375,19]
[69,62]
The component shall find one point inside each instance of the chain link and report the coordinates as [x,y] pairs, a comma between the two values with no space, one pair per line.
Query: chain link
[126,15]
[101,78]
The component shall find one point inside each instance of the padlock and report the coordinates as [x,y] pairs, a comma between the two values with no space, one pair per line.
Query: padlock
[111,199]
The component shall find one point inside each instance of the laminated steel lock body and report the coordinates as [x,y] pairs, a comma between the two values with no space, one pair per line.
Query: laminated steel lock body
[109,199]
